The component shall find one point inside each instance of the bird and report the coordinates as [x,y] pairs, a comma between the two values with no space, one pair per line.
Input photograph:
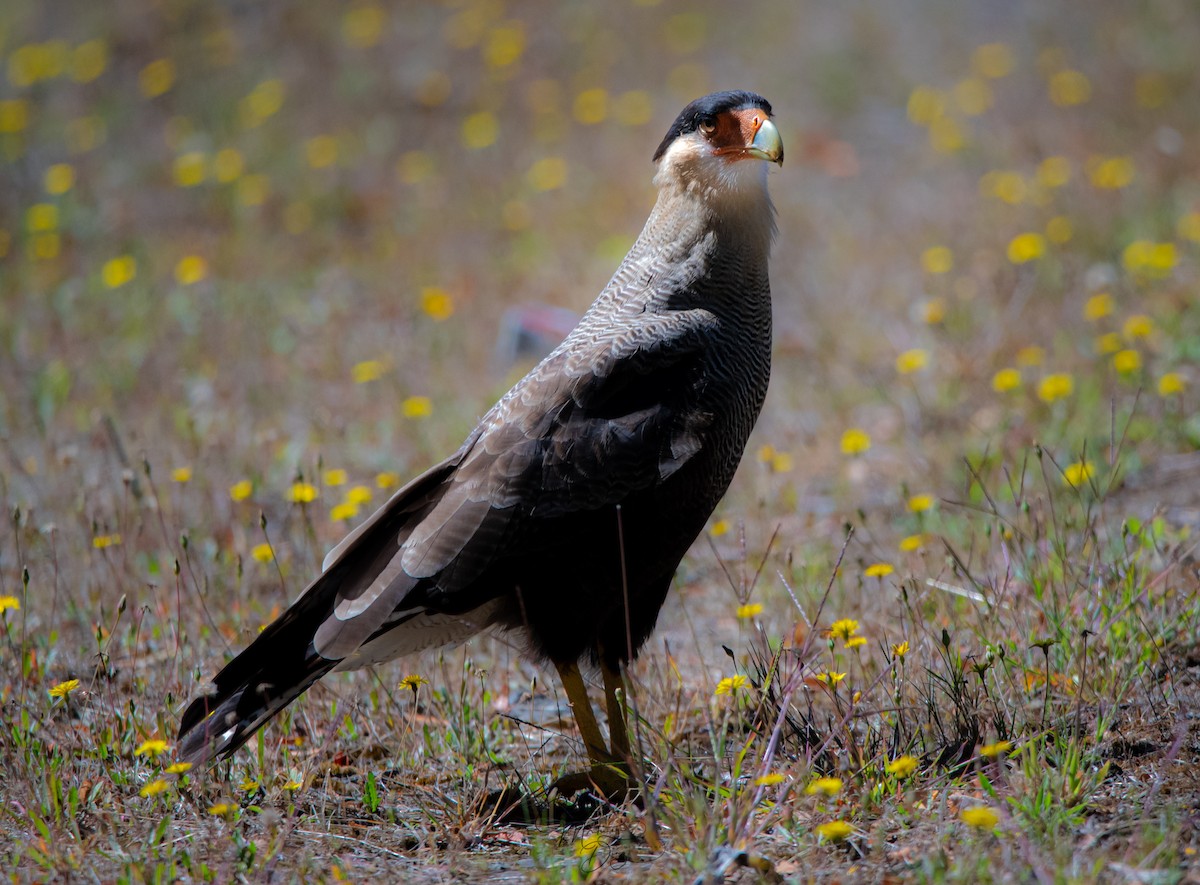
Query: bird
[564,515]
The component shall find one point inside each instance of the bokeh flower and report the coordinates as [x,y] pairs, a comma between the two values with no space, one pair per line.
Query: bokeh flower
[63,689]
[1055,387]
[981,817]
[855,441]
[749,610]
[835,831]
[824,786]
[732,684]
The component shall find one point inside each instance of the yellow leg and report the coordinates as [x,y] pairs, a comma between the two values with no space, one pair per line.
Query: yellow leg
[618,735]
[585,719]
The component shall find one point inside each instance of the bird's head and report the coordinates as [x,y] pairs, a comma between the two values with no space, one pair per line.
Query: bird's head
[717,142]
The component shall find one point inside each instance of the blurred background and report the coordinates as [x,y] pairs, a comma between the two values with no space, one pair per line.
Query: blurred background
[268,260]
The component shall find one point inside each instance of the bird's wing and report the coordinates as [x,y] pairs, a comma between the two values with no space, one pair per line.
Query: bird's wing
[585,430]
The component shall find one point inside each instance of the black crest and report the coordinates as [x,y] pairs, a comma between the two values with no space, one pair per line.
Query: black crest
[707,107]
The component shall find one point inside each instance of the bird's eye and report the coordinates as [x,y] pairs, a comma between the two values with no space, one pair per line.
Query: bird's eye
[708,125]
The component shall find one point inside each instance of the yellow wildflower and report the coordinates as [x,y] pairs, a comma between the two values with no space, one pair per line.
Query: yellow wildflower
[855,441]
[856,641]
[321,151]
[151,747]
[1005,185]
[1171,384]
[227,165]
[181,474]
[1188,227]
[1109,342]
[1053,172]
[63,689]
[437,303]
[118,271]
[981,817]
[878,570]
[417,407]
[190,270]
[302,493]
[749,610]
[769,780]
[925,105]
[1127,361]
[835,831]
[1026,247]
[153,788]
[719,528]
[367,371]
[344,511]
[1006,380]
[59,178]
[912,361]
[547,174]
[591,106]
[1068,88]
[1148,259]
[1078,473]
[920,503]
[222,808]
[100,542]
[262,553]
[1138,326]
[900,649]
[387,479]
[41,217]
[911,543]
[358,495]
[937,260]
[157,77]
[241,490]
[830,677]
[335,477]
[178,768]
[1055,387]
[946,136]
[479,130]
[825,786]
[412,682]
[9,602]
[362,26]
[933,311]
[732,684]
[902,766]
[190,169]
[1098,306]
[1110,173]
[14,115]
[588,845]
[843,628]
[996,749]
[1059,229]
[249,785]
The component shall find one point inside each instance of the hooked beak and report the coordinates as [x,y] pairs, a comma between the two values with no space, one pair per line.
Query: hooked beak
[766,144]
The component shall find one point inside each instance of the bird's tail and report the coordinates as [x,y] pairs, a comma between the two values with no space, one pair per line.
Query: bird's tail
[273,671]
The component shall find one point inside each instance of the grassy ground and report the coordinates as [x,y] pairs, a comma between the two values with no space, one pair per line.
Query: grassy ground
[254,260]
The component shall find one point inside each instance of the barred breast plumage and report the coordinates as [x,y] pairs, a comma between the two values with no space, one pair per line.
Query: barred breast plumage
[564,515]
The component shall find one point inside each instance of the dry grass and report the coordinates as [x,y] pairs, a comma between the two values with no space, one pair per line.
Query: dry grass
[367,191]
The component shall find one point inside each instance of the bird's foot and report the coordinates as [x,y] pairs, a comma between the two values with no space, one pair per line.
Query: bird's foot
[608,780]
